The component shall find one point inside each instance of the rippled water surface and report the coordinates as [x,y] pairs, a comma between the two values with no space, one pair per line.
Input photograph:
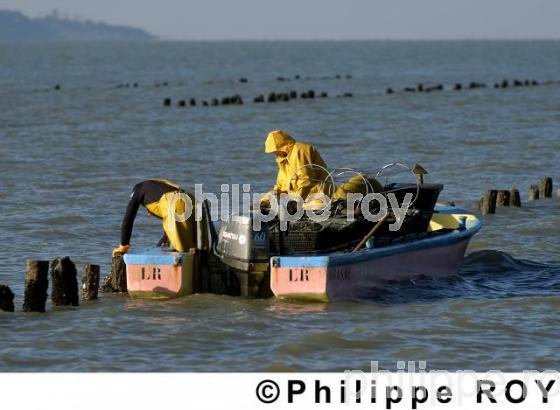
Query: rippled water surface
[69,158]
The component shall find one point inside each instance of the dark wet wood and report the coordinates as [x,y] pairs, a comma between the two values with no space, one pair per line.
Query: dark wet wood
[503,198]
[488,202]
[64,282]
[6,299]
[514,198]
[118,274]
[533,192]
[90,282]
[545,187]
[36,286]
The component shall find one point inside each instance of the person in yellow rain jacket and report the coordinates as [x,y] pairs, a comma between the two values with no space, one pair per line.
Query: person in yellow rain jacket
[162,199]
[293,177]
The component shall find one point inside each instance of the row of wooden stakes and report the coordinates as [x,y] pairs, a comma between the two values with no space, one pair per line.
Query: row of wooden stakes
[58,87]
[272,97]
[64,290]
[245,80]
[473,85]
[493,198]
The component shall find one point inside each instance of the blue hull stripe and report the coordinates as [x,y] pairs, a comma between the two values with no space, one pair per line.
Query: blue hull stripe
[154,256]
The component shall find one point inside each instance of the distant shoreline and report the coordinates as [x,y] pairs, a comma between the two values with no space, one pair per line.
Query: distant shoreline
[18,28]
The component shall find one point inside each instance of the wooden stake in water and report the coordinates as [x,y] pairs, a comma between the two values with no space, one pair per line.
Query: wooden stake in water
[488,202]
[64,282]
[118,274]
[514,198]
[90,282]
[6,299]
[502,199]
[533,192]
[36,285]
[545,187]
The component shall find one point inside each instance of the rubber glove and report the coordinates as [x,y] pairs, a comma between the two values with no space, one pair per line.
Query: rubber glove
[120,249]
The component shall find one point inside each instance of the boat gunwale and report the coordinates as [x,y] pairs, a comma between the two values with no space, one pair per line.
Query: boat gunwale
[346,258]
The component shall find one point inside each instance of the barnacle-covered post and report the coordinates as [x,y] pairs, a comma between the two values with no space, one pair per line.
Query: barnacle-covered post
[90,282]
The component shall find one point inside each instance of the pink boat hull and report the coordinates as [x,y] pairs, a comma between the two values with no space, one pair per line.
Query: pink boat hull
[349,277]
[157,274]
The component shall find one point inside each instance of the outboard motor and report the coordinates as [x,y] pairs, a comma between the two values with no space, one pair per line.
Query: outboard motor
[247,253]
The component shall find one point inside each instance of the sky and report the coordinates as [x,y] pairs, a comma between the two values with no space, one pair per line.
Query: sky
[316,19]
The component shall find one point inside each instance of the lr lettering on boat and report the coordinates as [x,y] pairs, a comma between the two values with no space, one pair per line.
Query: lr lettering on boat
[301,276]
[156,274]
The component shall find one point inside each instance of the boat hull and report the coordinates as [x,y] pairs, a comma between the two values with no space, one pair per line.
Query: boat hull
[159,274]
[353,275]
[332,280]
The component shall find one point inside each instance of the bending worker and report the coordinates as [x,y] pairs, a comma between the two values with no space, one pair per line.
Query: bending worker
[161,199]
[294,177]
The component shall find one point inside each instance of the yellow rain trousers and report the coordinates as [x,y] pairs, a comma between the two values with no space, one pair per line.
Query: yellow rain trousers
[292,178]
[171,209]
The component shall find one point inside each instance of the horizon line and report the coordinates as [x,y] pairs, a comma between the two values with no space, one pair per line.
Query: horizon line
[157,39]
[357,39]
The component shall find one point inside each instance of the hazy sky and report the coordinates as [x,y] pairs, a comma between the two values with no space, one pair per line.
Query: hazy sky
[316,19]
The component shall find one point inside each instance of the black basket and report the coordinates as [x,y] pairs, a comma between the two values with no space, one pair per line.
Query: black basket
[309,237]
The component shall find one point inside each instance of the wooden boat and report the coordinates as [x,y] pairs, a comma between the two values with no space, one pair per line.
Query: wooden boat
[350,275]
